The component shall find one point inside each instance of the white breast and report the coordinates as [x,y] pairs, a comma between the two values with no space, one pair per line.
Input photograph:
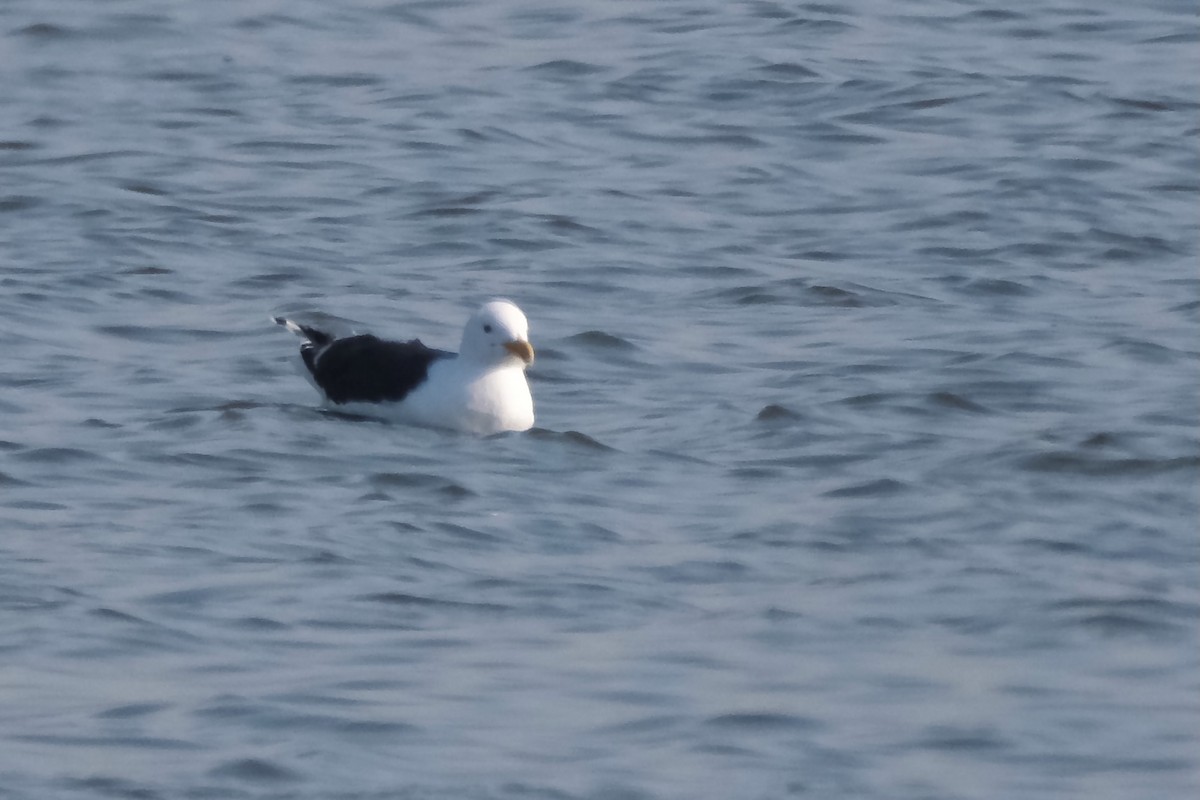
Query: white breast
[464,397]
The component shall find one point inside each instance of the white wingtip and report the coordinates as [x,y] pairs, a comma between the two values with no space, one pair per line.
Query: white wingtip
[291,326]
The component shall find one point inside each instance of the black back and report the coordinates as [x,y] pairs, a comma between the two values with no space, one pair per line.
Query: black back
[368,369]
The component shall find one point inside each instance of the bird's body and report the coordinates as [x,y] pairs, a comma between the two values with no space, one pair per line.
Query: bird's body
[481,389]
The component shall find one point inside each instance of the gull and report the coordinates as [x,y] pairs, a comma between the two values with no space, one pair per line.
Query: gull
[480,389]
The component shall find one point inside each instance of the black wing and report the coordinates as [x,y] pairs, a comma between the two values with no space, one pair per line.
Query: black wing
[367,369]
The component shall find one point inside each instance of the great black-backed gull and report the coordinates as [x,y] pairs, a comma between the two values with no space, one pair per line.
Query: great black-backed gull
[481,389]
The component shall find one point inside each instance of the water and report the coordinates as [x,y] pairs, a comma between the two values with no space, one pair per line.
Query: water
[866,461]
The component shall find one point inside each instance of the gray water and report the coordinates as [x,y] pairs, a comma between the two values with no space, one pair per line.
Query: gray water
[867,448]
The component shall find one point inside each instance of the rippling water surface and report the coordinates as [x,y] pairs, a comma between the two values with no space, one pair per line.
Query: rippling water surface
[867,452]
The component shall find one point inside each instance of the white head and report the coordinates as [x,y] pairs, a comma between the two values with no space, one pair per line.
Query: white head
[497,333]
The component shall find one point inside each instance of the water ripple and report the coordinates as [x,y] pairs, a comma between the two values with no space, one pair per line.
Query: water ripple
[866,392]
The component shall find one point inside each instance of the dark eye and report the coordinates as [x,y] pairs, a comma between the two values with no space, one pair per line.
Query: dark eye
[487,328]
